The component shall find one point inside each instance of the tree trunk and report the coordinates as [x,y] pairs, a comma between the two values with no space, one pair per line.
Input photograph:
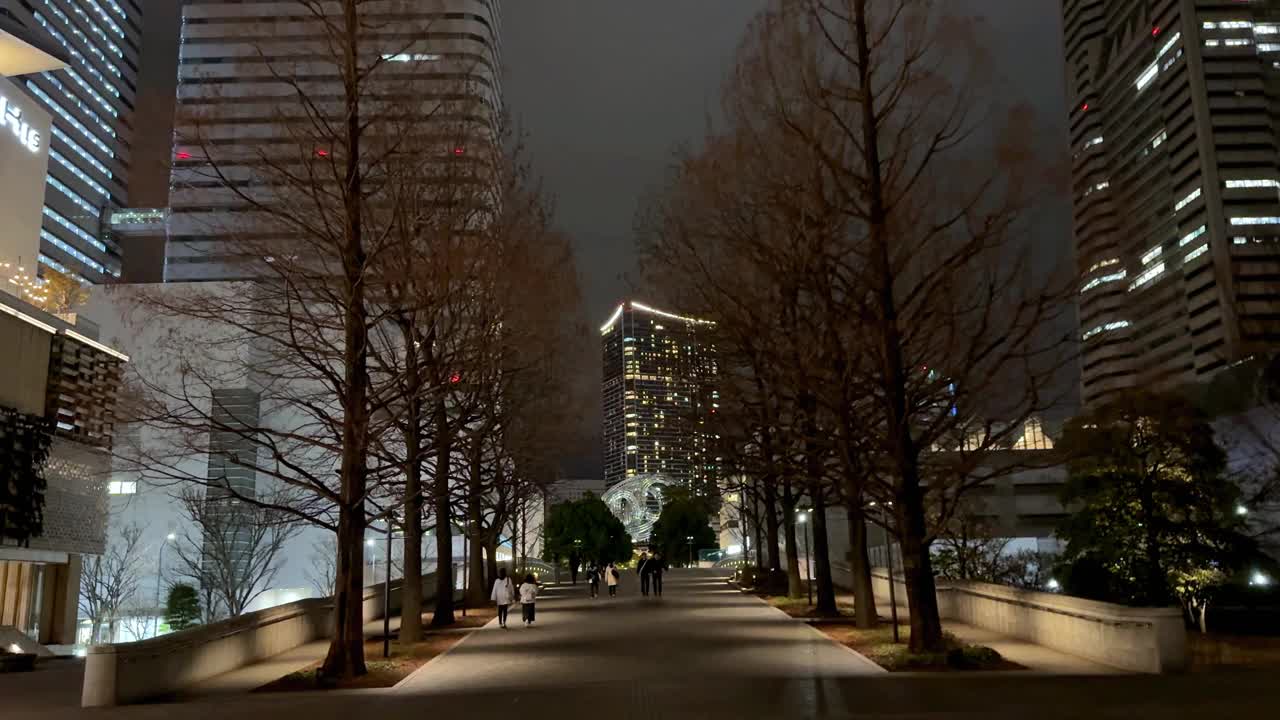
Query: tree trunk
[443,614]
[864,599]
[795,588]
[917,571]
[826,591]
[771,524]
[476,595]
[345,658]
[491,559]
[411,591]
[1202,617]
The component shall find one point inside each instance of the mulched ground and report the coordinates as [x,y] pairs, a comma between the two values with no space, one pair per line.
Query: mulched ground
[387,672]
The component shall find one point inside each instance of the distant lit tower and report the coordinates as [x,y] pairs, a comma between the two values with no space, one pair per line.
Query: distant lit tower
[659,394]
[92,104]
[1173,111]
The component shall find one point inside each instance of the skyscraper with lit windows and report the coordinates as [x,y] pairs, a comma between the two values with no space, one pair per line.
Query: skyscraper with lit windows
[1175,166]
[659,396]
[238,111]
[92,104]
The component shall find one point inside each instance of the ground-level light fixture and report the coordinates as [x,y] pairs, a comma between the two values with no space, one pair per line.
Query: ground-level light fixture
[1259,579]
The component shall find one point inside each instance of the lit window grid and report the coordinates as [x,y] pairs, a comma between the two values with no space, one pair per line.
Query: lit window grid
[75,147]
[79,56]
[74,196]
[71,97]
[70,119]
[46,260]
[68,249]
[85,42]
[76,229]
[75,170]
[97,29]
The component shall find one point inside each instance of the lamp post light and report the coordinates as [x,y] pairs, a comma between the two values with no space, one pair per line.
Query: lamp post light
[690,539]
[803,519]
[888,548]
[160,579]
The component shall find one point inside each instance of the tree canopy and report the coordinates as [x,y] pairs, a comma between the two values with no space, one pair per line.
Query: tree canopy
[683,516]
[1154,514]
[586,530]
[182,607]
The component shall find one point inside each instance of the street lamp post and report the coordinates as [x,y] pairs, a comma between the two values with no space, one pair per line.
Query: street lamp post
[466,569]
[893,593]
[160,580]
[808,556]
[386,598]
[690,539]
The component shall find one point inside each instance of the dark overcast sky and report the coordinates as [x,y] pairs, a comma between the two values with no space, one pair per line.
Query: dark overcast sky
[606,89]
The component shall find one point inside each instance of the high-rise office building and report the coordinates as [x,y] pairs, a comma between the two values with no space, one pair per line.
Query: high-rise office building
[1173,108]
[659,396]
[92,105]
[241,123]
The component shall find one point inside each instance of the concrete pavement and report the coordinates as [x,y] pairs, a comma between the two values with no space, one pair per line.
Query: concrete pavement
[707,652]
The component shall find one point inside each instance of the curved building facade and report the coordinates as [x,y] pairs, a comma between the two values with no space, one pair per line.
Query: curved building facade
[1176,173]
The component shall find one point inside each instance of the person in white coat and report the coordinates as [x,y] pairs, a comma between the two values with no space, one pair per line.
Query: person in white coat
[528,598]
[504,593]
[612,576]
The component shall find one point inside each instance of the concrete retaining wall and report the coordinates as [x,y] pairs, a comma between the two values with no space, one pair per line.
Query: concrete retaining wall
[1148,640]
[162,666]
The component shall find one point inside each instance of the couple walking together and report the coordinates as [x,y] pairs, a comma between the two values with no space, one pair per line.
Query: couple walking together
[650,570]
[505,592]
[608,575]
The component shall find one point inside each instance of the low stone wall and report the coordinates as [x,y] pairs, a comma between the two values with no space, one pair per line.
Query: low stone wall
[162,666]
[154,668]
[1147,640]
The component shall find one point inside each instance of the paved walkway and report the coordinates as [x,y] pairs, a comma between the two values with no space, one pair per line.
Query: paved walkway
[706,652]
[701,629]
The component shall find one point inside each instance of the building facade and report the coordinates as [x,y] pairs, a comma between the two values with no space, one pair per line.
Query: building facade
[1176,172]
[91,101]
[60,379]
[659,396]
[435,60]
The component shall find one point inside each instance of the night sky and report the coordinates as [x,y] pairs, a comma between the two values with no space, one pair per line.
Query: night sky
[606,89]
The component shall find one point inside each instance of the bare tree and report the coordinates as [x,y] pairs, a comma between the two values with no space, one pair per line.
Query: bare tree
[109,582]
[322,572]
[318,216]
[233,549]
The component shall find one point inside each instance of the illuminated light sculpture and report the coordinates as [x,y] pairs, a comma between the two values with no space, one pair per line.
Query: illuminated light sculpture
[637,502]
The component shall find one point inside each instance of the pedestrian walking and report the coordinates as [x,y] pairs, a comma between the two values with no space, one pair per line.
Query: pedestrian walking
[659,566]
[503,594]
[528,599]
[612,576]
[644,570]
[593,577]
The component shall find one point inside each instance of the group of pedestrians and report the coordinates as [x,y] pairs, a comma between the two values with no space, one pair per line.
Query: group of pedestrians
[505,592]
[607,575]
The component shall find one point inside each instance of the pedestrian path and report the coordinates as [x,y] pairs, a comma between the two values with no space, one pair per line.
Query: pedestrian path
[702,630]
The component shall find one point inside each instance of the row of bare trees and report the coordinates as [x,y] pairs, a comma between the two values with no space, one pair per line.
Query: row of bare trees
[404,322]
[858,232]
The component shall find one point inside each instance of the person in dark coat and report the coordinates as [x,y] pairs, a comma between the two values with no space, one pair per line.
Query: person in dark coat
[659,566]
[645,571]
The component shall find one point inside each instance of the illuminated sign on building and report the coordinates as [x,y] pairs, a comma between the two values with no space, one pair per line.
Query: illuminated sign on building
[11,117]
